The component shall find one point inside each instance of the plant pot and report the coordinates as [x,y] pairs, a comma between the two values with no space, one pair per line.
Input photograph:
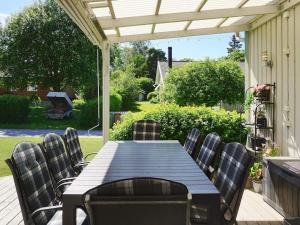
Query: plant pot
[257,186]
[261,122]
[257,143]
[263,95]
[249,183]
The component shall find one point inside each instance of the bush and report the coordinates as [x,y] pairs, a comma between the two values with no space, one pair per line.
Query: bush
[177,121]
[153,97]
[204,83]
[146,84]
[89,111]
[78,103]
[14,109]
[127,85]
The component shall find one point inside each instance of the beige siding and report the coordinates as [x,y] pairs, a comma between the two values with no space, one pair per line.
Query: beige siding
[280,37]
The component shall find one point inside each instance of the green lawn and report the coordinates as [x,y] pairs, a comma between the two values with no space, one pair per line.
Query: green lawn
[7,145]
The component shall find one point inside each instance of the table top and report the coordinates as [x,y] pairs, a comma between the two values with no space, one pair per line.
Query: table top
[128,159]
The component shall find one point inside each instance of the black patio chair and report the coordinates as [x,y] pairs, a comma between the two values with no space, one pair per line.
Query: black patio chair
[231,179]
[146,130]
[192,141]
[34,187]
[58,161]
[74,150]
[208,152]
[138,201]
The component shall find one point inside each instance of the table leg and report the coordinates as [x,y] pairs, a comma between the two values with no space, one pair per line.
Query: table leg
[214,211]
[69,211]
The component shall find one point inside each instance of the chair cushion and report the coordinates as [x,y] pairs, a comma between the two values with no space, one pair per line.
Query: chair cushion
[73,144]
[208,150]
[198,214]
[146,130]
[191,141]
[34,179]
[81,218]
[59,163]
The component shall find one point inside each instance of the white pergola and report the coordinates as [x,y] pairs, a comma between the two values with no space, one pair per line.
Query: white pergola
[106,22]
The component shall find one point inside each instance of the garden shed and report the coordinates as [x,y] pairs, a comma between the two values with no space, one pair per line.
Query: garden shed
[272,46]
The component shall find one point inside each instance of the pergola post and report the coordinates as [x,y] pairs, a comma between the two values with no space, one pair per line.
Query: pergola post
[105,89]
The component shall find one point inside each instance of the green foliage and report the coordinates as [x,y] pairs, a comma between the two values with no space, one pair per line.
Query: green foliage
[234,44]
[237,55]
[78,103]
[89,111]
[177,121]
[153,97]
[154,55]
[127,85]
[205,82]
[42,45]
[256,171]
[248,101]
[14,109]
[146,84]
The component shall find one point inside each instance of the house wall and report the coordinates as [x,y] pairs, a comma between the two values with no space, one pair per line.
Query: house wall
[280,37]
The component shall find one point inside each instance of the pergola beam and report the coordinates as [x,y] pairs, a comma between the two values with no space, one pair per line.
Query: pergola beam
[177,34]
[187,16]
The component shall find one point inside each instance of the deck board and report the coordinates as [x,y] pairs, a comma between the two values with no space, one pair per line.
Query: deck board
[253,210]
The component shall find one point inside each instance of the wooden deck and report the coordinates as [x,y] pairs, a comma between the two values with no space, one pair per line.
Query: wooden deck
[253,210]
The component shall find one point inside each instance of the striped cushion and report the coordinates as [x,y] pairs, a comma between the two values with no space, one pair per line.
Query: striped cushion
[59,163]
[35,180]
[233,165]
[140,186]
[73,145]
[208,150]
[191,141]
[146,130]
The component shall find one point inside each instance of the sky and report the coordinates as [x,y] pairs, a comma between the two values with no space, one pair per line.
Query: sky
[212,46]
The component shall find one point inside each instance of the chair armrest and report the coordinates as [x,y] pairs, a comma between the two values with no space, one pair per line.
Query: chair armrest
[93,153]
[66,180]
[227,207]
[56,207]
[62,185]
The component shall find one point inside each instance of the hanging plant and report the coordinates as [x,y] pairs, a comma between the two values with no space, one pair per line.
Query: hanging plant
[262,92]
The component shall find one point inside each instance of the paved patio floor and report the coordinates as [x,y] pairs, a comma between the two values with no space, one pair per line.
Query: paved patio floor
[253,210]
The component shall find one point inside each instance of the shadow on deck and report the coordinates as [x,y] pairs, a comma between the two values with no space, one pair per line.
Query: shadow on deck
[253,210]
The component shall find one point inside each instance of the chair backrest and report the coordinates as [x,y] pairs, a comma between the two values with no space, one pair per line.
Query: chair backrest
[146,130]
[232,175]
[58,160]
[32,181]
[208,151]
[192,141]
[73,145]
[138,201]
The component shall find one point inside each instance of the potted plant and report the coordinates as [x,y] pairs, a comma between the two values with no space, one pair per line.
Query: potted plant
[256,176]
[262,92]
[261,120]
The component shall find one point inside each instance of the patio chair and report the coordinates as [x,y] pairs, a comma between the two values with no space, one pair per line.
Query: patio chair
[138,201]
[34,187]
[209,150]
[231,179]
[146,130]
[58,161]
[192,141]
[74,150]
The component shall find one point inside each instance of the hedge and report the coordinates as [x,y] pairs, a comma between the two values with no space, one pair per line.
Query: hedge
[177,121]
[88,114]
[14,109]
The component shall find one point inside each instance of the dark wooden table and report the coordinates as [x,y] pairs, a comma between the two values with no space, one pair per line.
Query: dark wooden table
[127,159]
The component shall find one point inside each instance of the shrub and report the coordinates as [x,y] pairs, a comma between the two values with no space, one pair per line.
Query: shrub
[204,82]
[153,97]
[78,103]
[127,85]
[146,84]
[177,121]
[14,109]
[89,111]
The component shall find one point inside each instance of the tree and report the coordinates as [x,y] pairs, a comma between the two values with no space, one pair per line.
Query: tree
[42,46]
[234,44]
[154,55]
[205,82]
